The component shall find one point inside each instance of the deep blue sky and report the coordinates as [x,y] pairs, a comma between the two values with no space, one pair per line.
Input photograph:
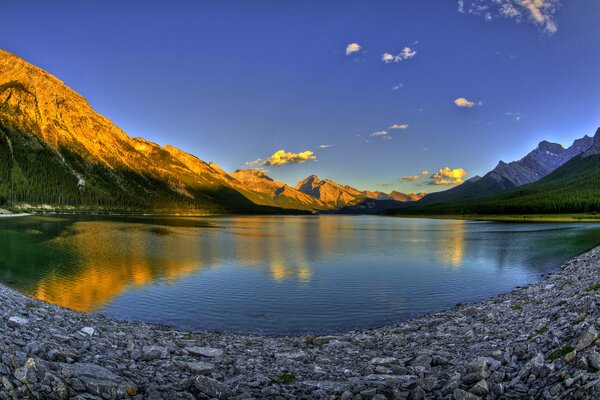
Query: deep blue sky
[233,81]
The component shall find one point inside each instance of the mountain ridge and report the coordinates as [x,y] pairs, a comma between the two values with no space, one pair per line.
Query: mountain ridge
[535,165]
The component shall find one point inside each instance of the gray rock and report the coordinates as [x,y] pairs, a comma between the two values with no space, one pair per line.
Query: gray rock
[589,337]
[209,352]
[150,353]
[18,322]
[460,394]
[200,367]
[481,388]
[211,387]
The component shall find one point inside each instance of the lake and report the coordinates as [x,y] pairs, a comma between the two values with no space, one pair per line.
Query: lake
[277,274]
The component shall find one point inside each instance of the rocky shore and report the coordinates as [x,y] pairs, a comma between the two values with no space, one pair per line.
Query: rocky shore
[535,342]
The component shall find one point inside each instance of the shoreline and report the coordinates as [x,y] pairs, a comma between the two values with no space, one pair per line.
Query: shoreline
[536,341]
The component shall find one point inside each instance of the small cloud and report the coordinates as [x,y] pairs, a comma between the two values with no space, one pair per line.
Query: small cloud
[410,178]
[447,176]
[325,146]
[398,86]
[254,163]
[399,126]
[406,54]
[381,134]
[281,157]
[464,103]
[353,48]
[387,58]
[515,115]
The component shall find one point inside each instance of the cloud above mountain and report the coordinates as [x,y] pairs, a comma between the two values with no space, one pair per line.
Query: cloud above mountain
[447,176]
[282,157]
[539,12]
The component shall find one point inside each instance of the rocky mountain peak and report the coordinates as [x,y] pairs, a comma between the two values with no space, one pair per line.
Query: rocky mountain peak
[595,146]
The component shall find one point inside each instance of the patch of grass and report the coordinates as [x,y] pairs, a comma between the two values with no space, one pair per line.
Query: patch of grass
[310,340]
[560,353]
[537,333]
[593,288]
[569,281]
[248,344]
[517,307]
[30,305]
[579,320]
[287,378]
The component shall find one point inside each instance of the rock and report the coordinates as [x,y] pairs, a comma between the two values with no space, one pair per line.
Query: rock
[475,377]
[150,353]
[209,352]
[211,387]
[321,340]
[380,369]
[30,373]
[199,367]
[417,393]
[594,360]
[470,312]
[294,355]
[589,337]
[368,393]
[347,395]
[481,388]
[87,331]
[460,394]
[95,379]
[422,360]
[570,356]
[386,361]
[17,322]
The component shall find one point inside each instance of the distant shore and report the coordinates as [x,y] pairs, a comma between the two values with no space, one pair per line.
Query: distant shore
[513,217]
[537,341]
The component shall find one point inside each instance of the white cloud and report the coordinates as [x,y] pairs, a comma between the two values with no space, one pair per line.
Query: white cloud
[539,12]
[353,48]
[387,57]
[464,103]
[281,157]
[325,146]
[399,126]
[406,54]
[254,163]
[381,134]
[398,86]
[410,178]
[516,115]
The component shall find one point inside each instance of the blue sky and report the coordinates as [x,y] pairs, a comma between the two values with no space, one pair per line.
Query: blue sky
[237,81]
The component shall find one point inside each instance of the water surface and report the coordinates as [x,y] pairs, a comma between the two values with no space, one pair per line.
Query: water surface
[277,274]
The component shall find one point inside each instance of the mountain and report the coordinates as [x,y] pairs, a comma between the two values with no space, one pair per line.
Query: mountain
[55,149]
[331,193]
[537,164]
[270,192]
[573,187]
[402,197]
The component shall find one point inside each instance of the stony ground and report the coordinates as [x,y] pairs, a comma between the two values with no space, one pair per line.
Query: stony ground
[536,342]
